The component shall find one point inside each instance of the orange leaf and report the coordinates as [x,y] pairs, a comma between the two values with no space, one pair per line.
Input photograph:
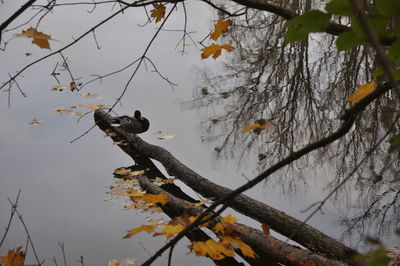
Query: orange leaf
[158,12]
[254,126]
[362,92]
[148,228]
[39,38]
[265,228]
[220,28]
[15,257]
[215,50]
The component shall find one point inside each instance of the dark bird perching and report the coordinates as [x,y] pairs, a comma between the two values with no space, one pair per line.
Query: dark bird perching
[136,124]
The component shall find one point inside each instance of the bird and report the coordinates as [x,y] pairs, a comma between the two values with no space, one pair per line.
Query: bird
[136,124]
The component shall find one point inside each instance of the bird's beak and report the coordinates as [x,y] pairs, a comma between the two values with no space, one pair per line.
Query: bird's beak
[141,118]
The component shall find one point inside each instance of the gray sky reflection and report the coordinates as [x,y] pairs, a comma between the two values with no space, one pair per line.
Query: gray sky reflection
[64,185]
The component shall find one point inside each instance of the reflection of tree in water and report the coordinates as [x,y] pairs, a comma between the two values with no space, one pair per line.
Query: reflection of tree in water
[301,89]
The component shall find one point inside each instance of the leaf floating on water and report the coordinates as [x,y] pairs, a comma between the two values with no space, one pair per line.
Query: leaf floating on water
[89,95]
[36,122]
[258,125]
[65,111]
[362,92]
[168,136]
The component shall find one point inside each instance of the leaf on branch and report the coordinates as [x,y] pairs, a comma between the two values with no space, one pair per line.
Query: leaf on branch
[388,7]
[159,181]
[362,92]
[220,28]
[148,228]
[121,142]
[216,250]
[39,38]
[110,133]
[236,242]
[198,204]
[158,12]
[265,228]
[311,21]
[259,124]
[170,230]
[339,7]
[137,195]
[15,257]
[394,144]
[215,50]
[123,171]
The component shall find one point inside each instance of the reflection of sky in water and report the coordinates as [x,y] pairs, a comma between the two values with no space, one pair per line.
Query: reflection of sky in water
[64,185]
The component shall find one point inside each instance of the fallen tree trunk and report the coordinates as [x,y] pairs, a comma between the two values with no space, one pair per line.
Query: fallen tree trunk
[280,222]
[269,249]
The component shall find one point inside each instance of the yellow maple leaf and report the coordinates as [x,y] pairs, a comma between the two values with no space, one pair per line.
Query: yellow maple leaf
[38,38]
[15,257]
[122,171]
[198,204]
[215,50]
[363,91]
[170,230]
[237,242]
[137,195]
[216,250]
[255,126]
[220,28]
[158,12]
[148,228]
[229,219]
[159,198]
[218,228]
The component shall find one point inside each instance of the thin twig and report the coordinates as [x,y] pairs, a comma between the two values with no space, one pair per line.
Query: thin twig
[15,15]
[13,208]
[61,244]
[27,233]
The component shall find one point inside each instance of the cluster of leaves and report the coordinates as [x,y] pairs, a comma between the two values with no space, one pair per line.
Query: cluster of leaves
[221,27]
[317,21]
[225,229]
